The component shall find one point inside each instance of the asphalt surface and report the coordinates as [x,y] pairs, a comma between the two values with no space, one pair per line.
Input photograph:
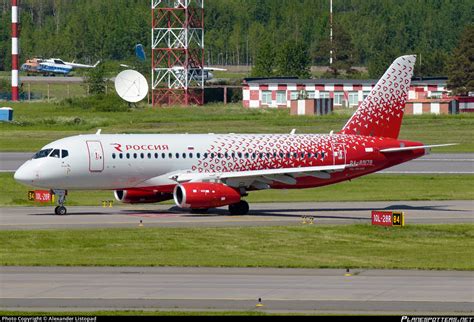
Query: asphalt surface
[462,163]
[269,214]
[284,290]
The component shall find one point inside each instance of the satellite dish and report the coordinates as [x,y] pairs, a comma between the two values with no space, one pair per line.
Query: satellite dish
[131,86]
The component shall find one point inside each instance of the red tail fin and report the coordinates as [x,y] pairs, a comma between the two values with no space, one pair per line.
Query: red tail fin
[381,112]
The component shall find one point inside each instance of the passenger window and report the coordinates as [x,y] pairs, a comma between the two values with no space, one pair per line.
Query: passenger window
[177,155]
[170,155]
[64,153]
[56,154]
[191,155]
[114,155]
[135,155]
[199,155]
[128,155]
[121,156]
[184,155]
[163,156]
[142,155]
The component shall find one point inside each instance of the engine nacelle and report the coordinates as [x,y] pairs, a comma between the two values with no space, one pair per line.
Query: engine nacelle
[205,195]
[136,196]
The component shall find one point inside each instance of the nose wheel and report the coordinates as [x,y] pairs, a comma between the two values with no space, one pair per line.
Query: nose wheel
[60,210]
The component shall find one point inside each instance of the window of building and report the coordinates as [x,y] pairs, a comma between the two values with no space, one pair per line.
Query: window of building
[281,97]
[294,95]
[267,97]
[323,94]
[339,98]
[436,95]
[365,94]
[353,99]
[311,94]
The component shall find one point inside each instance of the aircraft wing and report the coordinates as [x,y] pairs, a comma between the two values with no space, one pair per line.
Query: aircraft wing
[263,177]
[215,69]
[411,148]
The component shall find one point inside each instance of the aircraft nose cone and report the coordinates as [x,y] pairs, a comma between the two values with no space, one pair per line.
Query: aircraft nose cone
[24,175]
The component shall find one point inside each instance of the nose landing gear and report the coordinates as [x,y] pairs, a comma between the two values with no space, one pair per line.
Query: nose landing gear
[60,210]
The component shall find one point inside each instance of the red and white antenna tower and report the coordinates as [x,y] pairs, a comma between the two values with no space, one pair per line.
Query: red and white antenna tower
[15,51]
[177,52]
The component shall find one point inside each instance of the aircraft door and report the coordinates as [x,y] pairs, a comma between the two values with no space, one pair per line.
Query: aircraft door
[96,156]
[339,153]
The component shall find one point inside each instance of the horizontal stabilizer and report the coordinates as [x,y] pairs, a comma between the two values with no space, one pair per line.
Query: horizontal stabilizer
[411,148]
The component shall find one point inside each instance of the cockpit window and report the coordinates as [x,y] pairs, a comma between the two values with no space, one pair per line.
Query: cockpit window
[64,153]
[42,154]
[56,154]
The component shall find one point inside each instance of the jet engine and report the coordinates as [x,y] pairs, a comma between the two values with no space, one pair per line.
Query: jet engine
[205,195]
[136,196]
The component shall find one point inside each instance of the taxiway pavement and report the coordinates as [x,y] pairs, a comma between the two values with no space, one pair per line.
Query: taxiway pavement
[284,290]
[459,163]
[264,214]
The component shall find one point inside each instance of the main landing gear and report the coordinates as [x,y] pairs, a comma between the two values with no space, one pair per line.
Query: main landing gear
[239,209]
[60,210]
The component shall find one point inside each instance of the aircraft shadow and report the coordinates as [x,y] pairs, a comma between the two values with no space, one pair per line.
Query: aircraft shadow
[290,213]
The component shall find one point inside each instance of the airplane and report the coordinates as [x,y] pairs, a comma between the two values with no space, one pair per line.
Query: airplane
[52,66]
[196,74]
[200,172]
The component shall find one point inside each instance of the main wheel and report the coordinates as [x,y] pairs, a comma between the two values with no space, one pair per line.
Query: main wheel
[199,211]
[239,209]
[60,211]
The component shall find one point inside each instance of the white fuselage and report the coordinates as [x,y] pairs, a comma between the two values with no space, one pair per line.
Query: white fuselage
[132,161]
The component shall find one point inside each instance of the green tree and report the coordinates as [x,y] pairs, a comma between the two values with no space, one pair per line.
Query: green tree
[342,49]
[461,64]
[293,60]
[264,61]
[95,80]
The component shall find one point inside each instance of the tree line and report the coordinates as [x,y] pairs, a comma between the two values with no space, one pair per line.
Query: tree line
[366,32]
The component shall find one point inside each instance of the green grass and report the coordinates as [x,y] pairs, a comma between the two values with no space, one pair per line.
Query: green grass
[36,124]
[430,247]
[382,187]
